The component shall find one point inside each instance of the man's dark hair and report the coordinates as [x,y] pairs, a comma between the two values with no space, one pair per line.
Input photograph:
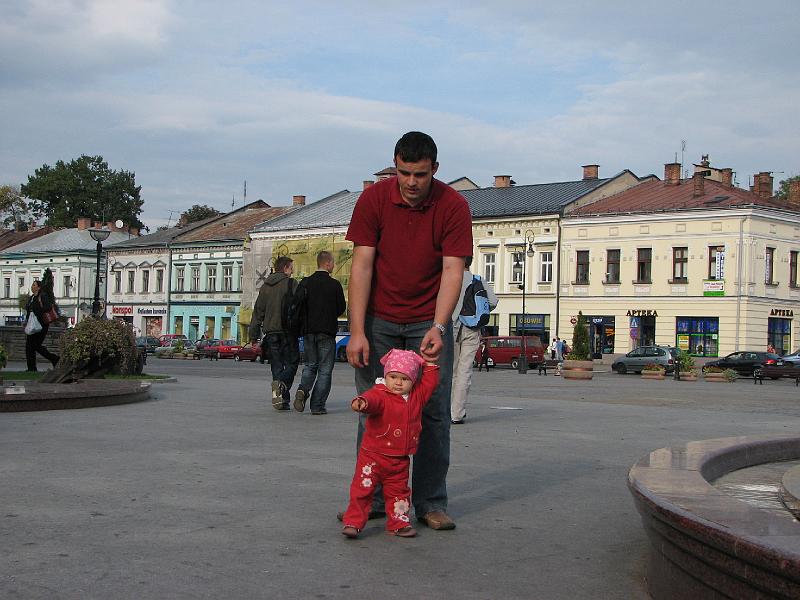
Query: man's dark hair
[282,263]
[323,257]
[467,262]
[415,146]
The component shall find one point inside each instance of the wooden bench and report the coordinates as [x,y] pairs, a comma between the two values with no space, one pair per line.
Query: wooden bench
[776,372]
[549,363]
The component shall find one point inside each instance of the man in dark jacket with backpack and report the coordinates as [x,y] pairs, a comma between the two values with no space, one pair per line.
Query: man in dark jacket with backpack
[323,302]
[269,318]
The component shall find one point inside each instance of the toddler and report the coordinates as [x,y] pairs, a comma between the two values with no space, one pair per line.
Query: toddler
[391,433]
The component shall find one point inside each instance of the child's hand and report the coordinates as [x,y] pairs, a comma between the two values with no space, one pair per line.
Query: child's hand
[359,404]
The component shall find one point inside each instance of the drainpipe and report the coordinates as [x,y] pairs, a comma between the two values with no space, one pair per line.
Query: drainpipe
[739,267]
[168,282]
[558,277]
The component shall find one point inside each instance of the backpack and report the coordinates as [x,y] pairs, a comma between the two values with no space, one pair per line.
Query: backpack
[475,309]
[293,308]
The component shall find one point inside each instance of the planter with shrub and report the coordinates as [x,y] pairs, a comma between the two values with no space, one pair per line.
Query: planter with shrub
[653,371]
[577,363]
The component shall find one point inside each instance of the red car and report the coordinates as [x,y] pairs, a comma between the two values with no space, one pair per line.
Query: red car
[506,349]
[249,351]
[221,349]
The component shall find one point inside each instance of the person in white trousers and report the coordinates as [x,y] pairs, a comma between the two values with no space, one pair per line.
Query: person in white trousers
[466,345]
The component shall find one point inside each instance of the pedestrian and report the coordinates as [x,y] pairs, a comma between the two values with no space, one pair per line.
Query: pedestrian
[771,348]
[553,348]
[410,234]
[465,344]
[483,356]
[563,349]
[394,402]
[283,347]
[324,304]
[40,302]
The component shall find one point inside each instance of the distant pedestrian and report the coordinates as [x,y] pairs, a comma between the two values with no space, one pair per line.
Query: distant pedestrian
[771,348]
[483,356]
[323,305]
[39,303]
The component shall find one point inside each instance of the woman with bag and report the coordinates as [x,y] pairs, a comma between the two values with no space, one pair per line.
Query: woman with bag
[40,308]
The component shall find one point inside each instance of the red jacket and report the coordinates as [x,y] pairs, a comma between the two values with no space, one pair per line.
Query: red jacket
[394,424]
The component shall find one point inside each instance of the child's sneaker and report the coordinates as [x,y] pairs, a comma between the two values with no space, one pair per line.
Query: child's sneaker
[407,532]
[350,532]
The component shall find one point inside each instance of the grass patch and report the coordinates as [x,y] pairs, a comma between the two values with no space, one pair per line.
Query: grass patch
[36,375]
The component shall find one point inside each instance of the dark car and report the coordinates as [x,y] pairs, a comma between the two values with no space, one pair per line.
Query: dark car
[635,360]
[744,362]
[148,343]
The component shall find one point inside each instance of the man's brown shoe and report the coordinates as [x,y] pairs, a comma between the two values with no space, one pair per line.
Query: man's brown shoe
[437,519]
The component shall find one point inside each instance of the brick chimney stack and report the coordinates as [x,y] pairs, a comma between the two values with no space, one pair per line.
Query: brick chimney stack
[590,171]
[727,177]
[298,200]
[794,192]
[367,183]
[763,184]
[698,179]
[84,223]
[672,173]
[502,181]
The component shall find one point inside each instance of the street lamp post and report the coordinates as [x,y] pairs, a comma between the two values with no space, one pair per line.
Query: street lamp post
[527,251]
[98,235]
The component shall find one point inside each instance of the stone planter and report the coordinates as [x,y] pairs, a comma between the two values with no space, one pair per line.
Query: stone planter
[653,374]
[715,377]
[577,369]
[688,376]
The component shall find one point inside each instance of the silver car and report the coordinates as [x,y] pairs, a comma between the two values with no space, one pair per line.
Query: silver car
[635,360]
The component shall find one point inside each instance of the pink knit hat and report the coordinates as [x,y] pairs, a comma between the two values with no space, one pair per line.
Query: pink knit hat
[402,361]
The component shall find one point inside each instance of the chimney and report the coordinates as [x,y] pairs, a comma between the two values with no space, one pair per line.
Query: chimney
[590,171]
[699,184]
[794,192]
[727,177]
[367,183]
[298,200]
[672,173]
[84,223]
[764,185]
[502,181]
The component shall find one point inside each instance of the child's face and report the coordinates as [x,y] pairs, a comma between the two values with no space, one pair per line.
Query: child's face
[398,383]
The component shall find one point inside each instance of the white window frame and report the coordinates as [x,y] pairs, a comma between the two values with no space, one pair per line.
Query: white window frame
[67,282]
[131,287]
[145,281]
[546,266]
[211,278]
[159,280]
[180,277]
[7,287]
[489,267]
[227,278]
[195,283]
[515,275]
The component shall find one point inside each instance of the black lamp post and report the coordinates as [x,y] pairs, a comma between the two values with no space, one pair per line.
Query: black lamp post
[528,251]
[98,235]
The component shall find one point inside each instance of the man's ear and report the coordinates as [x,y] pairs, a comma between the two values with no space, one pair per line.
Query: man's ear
[434,168]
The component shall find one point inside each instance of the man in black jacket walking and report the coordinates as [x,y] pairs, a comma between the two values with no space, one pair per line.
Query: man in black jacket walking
[325,302]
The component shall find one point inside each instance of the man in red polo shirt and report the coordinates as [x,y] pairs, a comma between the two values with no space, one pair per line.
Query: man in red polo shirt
[410,235]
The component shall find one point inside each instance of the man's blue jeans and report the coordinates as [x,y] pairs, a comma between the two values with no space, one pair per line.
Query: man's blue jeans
[429,475]
[284,354]
[320,354]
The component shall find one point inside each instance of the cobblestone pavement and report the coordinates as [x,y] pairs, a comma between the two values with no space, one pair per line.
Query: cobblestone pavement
[207,492]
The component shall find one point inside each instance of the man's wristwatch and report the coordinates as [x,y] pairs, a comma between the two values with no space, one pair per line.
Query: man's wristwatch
[440,327]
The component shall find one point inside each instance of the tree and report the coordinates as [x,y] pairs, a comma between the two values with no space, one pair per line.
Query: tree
[14,210]
[198,213]
[84,187]
[783,187]
[580,340]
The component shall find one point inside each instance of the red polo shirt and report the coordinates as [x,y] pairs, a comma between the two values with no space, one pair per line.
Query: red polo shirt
[409,245]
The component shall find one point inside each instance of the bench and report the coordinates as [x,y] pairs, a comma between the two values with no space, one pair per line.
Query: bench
[776,372]
[551,363]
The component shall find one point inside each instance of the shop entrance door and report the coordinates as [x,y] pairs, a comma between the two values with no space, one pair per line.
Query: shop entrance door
[647,331]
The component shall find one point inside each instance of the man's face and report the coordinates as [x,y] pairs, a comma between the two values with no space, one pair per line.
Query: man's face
[415,179]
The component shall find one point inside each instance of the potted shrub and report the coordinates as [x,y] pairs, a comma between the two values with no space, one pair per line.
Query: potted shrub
[98,346]
[653,371]
[730,375]
[714,374]
[577,363]
[686,366]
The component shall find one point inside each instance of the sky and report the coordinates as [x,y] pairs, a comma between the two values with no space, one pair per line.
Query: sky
[309,98]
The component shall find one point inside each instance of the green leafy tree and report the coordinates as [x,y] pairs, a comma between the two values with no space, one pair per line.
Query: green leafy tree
[14,210]
[84,187]
[783,187]
[198,213]
[580,340]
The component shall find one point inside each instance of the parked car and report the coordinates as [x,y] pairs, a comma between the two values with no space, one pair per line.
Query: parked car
[744,362]
[635,360]
[148,343]
[169,347]
[506,350]
[793,358]
[163,339]
[221,349]
[250,351]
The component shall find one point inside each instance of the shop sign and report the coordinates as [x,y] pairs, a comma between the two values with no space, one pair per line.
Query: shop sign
[713,287]
[720,270]
[121,310]
[194,320]
[531,320]
[597,320]
[781,312]
[151,311]
[636,312]
[683,342]
[574,320]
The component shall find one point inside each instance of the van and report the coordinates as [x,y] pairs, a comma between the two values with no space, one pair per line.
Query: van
[506,350]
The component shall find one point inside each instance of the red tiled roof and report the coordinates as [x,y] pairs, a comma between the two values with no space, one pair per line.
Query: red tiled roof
[234,225]
[12,238]
[656,195]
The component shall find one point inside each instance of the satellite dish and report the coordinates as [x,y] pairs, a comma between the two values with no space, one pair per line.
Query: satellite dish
[119,223]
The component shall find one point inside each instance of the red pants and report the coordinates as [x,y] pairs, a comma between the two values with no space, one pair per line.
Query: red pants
[392,472]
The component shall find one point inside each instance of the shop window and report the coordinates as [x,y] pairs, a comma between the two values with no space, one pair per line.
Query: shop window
[716,262]
[699,336]
[793,268]
[612,266]
[225,332]
[769,266]
[779,334]
[582,266]
[680,265]
[545,267]
[644,265]
[489,263]
[178,325]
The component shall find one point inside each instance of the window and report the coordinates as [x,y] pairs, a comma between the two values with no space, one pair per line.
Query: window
[546,267]
[179,271]
[716,262]
[145,281]
[769,267]
[488,267]
[680,264]
[793,268]
[211,283]
[160,280]
[517,266]
[227,278]
[7,287]
[644,265]
[612,266]
[195,279]
[131,277]
[582,266]
[21,281]
[67,285]
[117,282]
